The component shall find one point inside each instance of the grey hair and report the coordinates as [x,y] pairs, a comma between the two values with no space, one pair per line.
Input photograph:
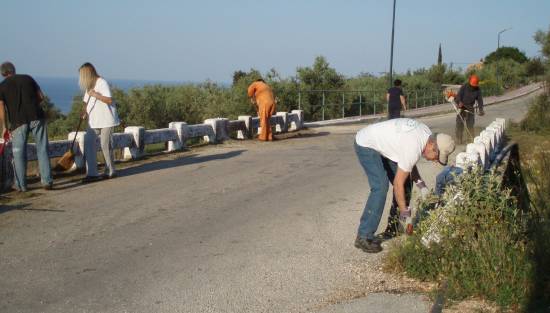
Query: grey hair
[7,68]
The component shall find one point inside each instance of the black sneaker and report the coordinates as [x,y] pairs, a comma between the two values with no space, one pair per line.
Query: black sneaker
[368,245]
[48,186]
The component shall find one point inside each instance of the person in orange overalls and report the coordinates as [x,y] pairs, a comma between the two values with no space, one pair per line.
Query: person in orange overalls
[262,97]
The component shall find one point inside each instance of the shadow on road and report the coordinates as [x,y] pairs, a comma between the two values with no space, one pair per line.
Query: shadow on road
[151,165]
[301,135]
[9,207]
[184,160]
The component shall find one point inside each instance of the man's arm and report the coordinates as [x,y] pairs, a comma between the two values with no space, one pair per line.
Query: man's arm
[403,102]
[388,97]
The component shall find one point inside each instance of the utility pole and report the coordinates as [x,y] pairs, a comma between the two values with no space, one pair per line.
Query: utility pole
[391,53]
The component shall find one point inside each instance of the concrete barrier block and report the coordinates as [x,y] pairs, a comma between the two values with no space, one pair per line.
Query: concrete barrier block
[136,150]
[247,132]
[283,126]
[299,122]
[182,131]
[219,126]
[502,122]
[480,149]
[466,160]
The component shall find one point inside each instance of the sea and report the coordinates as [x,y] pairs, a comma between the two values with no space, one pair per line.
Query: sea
[61,90]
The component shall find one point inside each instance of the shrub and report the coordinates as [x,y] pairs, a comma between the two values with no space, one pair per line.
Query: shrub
[482,249]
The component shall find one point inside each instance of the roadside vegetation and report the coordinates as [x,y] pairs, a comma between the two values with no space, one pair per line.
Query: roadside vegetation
[487,238]
[154,106]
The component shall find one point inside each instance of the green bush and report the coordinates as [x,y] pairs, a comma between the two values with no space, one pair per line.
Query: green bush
[538,115]
[482,248]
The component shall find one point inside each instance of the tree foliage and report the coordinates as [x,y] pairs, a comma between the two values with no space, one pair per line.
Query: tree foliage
[502,53]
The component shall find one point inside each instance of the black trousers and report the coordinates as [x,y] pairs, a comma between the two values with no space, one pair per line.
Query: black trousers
[469,118]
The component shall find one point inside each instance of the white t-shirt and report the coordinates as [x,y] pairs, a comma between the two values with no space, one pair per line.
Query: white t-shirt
[100,114]
[401,140]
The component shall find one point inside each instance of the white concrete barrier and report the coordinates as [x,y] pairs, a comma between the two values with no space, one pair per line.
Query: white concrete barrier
[479,148]
[182,133]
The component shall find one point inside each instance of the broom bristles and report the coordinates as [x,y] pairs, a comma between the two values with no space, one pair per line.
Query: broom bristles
[66,162]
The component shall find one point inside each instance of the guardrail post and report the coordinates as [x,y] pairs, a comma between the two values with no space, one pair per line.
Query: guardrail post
[246,134]
[137,149]
[182,129]
[299,124]
[219,126]
[284,127]
[479,148]
[466,160]
[78,149]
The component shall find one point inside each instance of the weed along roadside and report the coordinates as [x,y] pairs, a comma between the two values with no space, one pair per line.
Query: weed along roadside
[486,236]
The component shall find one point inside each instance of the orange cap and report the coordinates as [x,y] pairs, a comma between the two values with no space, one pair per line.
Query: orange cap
[474,80]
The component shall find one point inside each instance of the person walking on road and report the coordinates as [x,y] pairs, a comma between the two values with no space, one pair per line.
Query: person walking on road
[21,96]
[396,100]
[466,98]
[100,109]
[388,152]
[261,96]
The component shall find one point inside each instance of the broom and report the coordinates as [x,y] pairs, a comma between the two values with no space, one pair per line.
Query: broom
[67,160]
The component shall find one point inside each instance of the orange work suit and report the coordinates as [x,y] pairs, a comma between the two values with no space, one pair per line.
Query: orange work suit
[265,100]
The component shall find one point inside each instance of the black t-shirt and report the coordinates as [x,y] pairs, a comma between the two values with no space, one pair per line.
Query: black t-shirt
[20,95]
[394,102]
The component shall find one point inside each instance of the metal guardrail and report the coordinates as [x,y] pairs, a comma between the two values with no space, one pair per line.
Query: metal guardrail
[333,104]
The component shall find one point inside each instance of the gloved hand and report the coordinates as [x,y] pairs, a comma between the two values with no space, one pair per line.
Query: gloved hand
[405,219]
[404,215]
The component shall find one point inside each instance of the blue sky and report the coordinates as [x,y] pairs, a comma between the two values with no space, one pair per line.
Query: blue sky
[206,39]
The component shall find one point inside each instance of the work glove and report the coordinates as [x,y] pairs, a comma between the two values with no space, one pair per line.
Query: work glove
[405,215]
[405,219]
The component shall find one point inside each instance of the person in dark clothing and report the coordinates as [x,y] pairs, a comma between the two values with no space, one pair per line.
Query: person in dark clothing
[21,96]
[396,100]
[466,98]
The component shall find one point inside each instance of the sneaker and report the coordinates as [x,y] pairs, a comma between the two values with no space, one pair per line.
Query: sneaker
[48,186]
[90,179]
[368,245]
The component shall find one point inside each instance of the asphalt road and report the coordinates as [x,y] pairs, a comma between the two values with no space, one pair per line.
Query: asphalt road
[238,227]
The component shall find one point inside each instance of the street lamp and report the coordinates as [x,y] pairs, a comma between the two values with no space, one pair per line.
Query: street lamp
[500,32]
[498,47]
[391,53]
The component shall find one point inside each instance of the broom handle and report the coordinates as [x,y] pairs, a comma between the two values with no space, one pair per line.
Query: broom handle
[79,123]
[77,129]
